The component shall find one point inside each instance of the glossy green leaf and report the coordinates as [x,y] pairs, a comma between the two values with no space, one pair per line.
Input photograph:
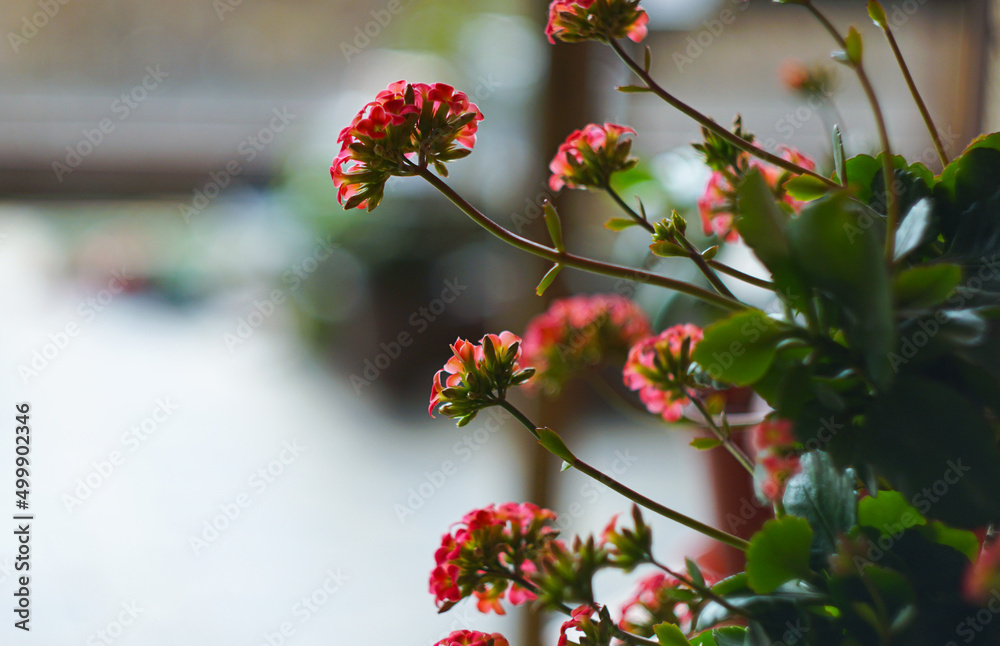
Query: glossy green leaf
[824,495]
[779,553]
[888,512]
[916,229]
[926,285]
[740,349]
[547,279]
[807,188]
[670,635]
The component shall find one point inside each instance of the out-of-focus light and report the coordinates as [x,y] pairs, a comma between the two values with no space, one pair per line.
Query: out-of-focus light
[680,14]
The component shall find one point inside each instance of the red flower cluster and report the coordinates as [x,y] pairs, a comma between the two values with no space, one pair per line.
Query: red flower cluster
[581,618]
[775,444]
[589,157]
[579,332]
[477,376]
[658,366]
[490,547]
[717,203]
[661,598]
[407,126]
[473,638]
[575,20]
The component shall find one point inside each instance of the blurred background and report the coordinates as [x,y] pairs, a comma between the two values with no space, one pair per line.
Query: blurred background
[228,373]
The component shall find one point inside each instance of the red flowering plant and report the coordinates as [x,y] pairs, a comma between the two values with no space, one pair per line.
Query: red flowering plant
[878,368]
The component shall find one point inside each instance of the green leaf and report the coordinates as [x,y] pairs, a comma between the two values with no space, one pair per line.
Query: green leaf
[668,250]
[877,14]
[710,253]
[779,553]
[855,48]
[730,636]
[824,495]
[954,477]
[926,285]
[705,443]
[807,188]
[837,249]
[554,444]
[619,224]
[889,513]
[694,572]
[962,540]
[740,349]
[670,635]
[554,225]
[839,156]
[915,229]
[764,227]
[632,89]
[547,279]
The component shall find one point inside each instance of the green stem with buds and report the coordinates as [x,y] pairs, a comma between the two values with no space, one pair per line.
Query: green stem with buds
[891,202]
[634,496]
[724,438]
[693,253]
[571,260]
[708,123]
[924,112]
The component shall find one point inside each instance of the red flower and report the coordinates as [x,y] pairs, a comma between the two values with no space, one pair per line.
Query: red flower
[717,203]
[777,470]
[486,551]
[406,127]
[772,433]
[588,157]
[477,376]
[661,598]
[580,618]
[576,20]
[982,578]
[579,332]
[473,638]
[657,368]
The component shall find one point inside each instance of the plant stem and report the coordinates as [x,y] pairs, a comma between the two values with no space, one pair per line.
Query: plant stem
[892,204]
[727,441]
[924,112]
[693,253]
[708,123]
[571,260]
[700,589]
[566,610]
[641,221]
[736,273]
[634,496]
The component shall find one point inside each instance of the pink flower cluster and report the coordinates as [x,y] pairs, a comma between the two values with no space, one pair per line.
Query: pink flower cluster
[579,332]
[588,157]
[660,598]
[657,368]
[576,20]
[509,538]
[580,618]
[477,376]
[716,204]
[407,124]
[775,444]
[473,638]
